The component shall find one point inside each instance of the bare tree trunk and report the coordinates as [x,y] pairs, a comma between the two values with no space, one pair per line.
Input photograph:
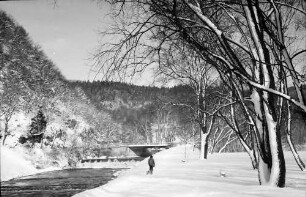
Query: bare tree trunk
[229,140]
[2,136]
[54,137]
[272,169]
[5,131]
[204,145]
[205,133]
[295,154]
[296,82]
[246,147]
[271,166]
[202,121]
[217,139]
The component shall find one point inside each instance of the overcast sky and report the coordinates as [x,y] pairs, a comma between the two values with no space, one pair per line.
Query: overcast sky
[67,32]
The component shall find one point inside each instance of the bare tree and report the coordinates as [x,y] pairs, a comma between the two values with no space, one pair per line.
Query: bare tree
[11,100]
[219,134]
[243,40]
[180,64]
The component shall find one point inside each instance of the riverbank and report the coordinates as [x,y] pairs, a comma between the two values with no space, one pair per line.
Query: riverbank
[59,183]
[19,177]
[228,174]
[115,163]
[14,165]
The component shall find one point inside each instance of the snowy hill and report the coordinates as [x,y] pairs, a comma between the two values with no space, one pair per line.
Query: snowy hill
[194,177]
[29,83]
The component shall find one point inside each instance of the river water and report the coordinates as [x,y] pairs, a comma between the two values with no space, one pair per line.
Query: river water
[58,183]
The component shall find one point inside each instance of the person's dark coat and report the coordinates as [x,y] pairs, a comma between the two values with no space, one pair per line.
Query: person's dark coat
[151,162]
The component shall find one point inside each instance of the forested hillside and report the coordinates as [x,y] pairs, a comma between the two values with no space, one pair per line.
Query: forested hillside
[152,114]
[146,114]
[40,113]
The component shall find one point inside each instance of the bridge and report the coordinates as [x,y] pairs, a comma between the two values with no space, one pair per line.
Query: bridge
[141,151]
[147,150]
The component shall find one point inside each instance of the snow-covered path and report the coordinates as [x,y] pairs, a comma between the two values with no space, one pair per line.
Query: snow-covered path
[174,177]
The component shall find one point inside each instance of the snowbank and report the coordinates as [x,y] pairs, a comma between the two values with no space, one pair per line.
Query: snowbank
[221,175]
[13,164]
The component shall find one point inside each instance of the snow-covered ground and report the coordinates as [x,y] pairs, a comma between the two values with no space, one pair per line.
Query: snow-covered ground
[14,164]
[176,176]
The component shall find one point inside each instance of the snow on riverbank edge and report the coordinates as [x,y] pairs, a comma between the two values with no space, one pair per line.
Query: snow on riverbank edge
[177,176]
[15,165]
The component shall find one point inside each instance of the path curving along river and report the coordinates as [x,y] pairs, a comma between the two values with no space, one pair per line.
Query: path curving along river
[58,183]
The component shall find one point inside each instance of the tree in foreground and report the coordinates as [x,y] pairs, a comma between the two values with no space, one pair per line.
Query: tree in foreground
[245,41]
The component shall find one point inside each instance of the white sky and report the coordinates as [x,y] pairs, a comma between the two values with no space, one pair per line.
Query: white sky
[67,32]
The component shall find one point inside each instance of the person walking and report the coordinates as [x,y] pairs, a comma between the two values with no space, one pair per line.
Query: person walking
[151,163]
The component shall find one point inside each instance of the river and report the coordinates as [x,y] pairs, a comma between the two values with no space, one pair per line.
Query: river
[58,183]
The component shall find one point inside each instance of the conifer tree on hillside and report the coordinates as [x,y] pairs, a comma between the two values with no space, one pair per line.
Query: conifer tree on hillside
[38,123]
[37,127]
